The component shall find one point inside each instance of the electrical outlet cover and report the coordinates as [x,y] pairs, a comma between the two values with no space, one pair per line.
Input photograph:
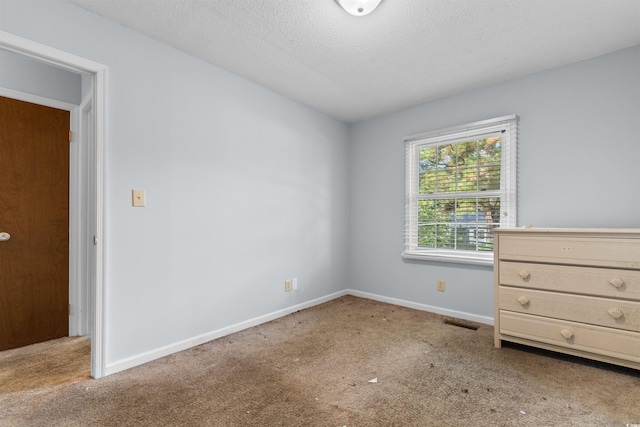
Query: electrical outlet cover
[138,199]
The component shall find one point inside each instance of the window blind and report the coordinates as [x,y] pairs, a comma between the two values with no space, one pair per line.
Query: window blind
[460,184]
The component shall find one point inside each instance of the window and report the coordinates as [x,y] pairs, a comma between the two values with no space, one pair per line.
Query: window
[460,185]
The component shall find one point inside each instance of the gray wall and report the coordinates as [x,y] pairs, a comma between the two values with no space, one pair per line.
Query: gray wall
[245,188]
[18,72]
[578,166]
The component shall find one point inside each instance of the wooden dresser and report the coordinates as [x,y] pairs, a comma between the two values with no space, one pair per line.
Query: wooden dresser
[574,291]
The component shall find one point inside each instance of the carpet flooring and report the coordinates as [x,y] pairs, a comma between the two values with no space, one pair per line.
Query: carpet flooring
[51,363]
[349,362]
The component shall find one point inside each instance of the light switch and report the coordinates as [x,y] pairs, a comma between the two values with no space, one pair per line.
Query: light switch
[138,198]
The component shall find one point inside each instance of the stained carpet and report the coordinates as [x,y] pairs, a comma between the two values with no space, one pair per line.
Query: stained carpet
[349,362]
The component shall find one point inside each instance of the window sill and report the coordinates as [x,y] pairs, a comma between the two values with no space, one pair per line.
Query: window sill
[455,257]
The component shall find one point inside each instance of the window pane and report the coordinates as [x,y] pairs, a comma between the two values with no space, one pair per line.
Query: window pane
[484,237]
[464,237]
[445,236]
[445,233]
[445,210]
[466,217]
[427,169]
[435,220]
[464,223]
[446,173]
[426,236]
[468,153]
[489,218]
[426,211]
[489,177]
[466,166]
[466,210]
[490,150]
[467,174]
[468,178]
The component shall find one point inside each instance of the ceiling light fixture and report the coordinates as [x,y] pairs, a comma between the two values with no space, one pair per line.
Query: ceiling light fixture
[359,7]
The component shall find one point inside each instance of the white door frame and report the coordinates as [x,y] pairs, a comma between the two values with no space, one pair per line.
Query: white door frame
[96,211]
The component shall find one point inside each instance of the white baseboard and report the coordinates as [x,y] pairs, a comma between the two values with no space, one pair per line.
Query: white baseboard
[146,357]
[423,307]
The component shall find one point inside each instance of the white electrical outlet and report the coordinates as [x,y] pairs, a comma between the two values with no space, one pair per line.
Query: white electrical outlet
[441,285]
[287,285]
[294,283]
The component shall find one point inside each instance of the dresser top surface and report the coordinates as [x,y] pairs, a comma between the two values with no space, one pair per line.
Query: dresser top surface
[619,232]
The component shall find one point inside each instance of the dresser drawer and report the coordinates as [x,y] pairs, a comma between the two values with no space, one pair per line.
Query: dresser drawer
[621,314]
[589,251]
[606,282]
[593,339]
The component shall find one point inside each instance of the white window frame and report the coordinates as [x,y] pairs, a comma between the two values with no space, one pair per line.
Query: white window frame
[507,125]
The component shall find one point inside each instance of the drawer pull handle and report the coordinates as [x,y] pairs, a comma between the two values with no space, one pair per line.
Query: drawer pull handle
[615,312]
[524,274]
[523,300]
[616,282]
[567,334]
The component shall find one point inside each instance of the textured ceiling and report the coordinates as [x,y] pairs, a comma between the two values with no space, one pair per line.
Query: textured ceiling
[405,53]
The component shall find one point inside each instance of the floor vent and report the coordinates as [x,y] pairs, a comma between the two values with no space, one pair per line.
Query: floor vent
[459,324]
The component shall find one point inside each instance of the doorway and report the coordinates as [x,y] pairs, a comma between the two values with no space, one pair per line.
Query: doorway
[34,216]
[93,217]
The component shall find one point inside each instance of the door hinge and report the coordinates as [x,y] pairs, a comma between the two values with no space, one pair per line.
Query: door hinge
[70,136]
[95,240]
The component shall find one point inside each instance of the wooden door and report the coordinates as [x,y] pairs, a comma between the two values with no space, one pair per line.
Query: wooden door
[34,210]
